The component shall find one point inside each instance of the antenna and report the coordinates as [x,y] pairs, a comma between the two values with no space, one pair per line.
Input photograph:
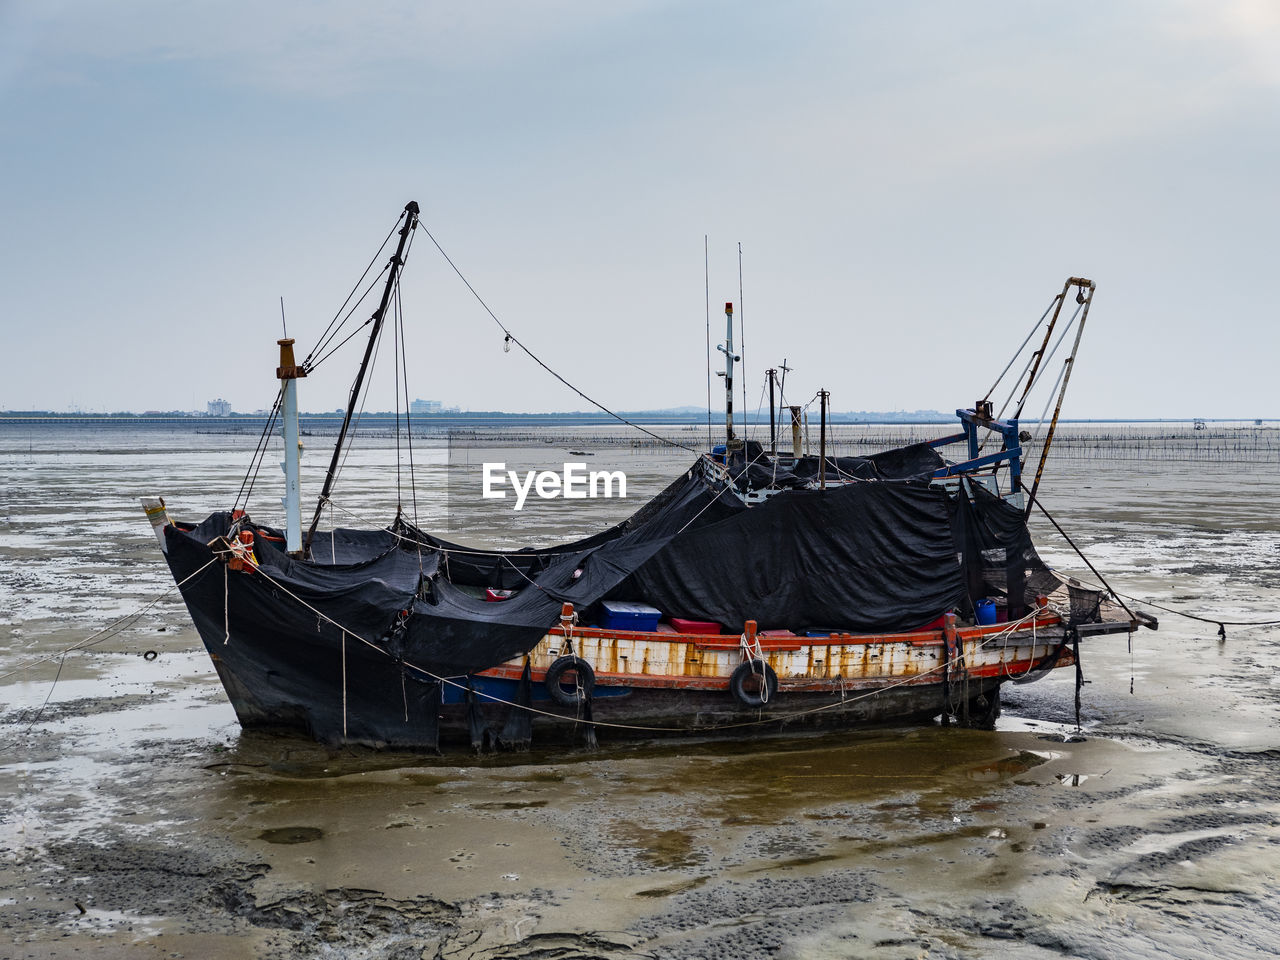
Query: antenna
[742,340]
[772,374]
[782,384]
[731,442]
[706,274]
[283,327]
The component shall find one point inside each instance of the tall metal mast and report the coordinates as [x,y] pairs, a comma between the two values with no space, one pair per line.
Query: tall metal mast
[772,374]
[397,261]
[731,442]
[1084,296]
[823,395]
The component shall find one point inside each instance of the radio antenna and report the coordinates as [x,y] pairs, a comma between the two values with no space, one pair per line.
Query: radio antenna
[706,274]
[742,340]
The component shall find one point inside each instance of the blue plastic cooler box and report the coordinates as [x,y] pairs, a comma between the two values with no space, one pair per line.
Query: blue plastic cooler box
[626,615]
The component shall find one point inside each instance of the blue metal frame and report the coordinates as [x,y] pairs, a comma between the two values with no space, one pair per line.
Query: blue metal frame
[1011,449]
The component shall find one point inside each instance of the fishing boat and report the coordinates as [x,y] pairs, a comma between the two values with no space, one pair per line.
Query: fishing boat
[762,589]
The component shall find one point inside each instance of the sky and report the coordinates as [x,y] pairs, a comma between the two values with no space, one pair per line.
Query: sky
[909,185]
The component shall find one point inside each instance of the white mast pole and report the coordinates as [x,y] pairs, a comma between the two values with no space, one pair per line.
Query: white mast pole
[288,373]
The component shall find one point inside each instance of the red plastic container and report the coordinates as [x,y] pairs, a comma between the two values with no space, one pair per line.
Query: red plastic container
[493,596]
[694,626]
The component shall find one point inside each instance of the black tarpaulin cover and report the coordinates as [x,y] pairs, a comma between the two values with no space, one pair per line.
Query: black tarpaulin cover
[881,555]
[751,469]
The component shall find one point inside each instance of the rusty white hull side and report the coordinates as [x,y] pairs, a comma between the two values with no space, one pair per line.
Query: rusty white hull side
[648,684]
[811,664]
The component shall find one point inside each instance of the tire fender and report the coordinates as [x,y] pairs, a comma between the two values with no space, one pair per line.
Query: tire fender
[574,696]
[750,672]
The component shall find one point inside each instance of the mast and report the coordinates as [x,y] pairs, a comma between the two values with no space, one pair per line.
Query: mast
[731,442]
[288,373]
[1084,296]
[773,426]
[822,439]
[397,261]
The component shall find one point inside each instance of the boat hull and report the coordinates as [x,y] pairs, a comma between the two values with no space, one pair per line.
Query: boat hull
[288,664]
[660,713]
[359,696]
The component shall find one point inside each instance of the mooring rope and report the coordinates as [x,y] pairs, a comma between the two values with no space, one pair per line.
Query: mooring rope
[110,630]
[1220,623]
[1065,536]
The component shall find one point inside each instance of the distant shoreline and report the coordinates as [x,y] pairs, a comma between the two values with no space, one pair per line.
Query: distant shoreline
[444,421]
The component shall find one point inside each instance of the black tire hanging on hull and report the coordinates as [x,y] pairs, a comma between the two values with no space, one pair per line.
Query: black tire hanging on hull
[753,684]
[584,681]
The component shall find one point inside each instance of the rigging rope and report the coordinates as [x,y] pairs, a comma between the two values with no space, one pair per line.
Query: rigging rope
[408,424]
[1018,352]
[1032,385]
[345,340]
[512,338]
[373,363]
[398,347]
[255,464]
[1044,367]
[322,341]
[260,451]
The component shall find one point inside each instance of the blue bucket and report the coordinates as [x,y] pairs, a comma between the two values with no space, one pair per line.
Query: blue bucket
[985,612]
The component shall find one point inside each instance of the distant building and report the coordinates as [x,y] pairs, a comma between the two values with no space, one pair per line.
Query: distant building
[218,408]
[425,406]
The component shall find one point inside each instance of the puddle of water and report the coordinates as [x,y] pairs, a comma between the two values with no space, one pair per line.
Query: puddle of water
[291,835]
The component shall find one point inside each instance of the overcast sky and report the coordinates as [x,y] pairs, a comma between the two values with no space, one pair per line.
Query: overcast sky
[910,183]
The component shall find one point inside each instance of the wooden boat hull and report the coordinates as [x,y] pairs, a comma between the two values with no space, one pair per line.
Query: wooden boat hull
[646,685]
[657,713]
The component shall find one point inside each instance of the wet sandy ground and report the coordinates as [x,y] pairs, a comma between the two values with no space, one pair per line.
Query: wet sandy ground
[137,820]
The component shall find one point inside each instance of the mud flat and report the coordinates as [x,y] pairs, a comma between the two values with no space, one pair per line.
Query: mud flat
[138,821]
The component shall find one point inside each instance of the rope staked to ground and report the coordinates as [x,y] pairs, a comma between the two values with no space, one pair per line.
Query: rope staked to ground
[1221,624]
[110,630]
